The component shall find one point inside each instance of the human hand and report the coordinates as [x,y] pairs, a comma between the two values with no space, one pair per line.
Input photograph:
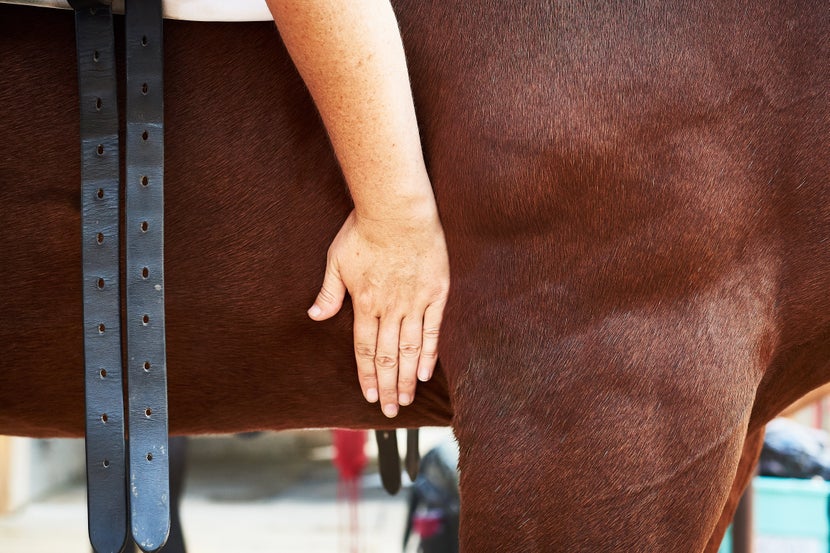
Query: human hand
[397,273]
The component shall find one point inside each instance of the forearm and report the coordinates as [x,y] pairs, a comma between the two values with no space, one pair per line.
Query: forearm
[350,54]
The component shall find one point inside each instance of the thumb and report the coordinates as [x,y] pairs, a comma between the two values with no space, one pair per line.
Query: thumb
[331,295]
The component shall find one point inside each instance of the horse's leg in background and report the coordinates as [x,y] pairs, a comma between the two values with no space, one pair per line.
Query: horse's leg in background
[746,470]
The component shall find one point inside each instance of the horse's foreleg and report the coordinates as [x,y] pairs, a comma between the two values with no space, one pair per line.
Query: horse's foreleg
[746,469]
[620,434]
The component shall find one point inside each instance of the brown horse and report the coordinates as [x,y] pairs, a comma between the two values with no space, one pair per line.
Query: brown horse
[637,208]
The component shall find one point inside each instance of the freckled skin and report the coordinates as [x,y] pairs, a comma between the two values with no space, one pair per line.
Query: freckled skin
[390,254]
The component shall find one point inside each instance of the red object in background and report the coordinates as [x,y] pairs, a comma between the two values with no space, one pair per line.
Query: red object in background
[349,455]
[428,523]
[350,460]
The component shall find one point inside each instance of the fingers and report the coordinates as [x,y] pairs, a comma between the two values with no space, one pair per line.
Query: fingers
[393,354]
[387,352]
[331,295]
[386,364]
[365,346]
[376,353]
[409,349]
[429,347]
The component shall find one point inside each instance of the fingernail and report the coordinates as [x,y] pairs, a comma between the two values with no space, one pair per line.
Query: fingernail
[390,410]
[404,399]
[315,311]
[423,374]
[371,395]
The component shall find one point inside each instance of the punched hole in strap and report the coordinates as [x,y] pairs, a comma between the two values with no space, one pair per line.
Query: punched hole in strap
[145,135]
[148,412]
[144,89]
[144,180]
[144,226]
[100,149]
[104,418]
[103,373]
[101,328]
[145,273]
[98,104]
[145,320]
[100,283]
[146,366]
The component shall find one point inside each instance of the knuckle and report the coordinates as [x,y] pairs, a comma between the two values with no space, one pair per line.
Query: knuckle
[364,301]
[410,350]
[366,373]
[431,333]
[327,295]
[429,354]
[386,362]
[364,351]
[438,296]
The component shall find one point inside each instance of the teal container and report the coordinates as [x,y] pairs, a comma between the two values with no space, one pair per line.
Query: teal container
[791,516]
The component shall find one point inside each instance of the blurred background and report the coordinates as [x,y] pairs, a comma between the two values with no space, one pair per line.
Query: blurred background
[244,493]
[283,492]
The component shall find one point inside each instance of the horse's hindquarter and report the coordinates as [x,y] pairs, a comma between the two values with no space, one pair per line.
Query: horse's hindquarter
[635,202]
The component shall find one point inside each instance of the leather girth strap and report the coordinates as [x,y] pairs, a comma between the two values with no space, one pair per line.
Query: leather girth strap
[147,489]
[145,453]
[144,229]
[105,449]
[413,454]
[389,460]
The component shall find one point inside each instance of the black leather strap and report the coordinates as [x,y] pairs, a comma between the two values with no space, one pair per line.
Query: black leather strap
[413,453]
[147,389]
[144,229]
[106,491]
[389,460]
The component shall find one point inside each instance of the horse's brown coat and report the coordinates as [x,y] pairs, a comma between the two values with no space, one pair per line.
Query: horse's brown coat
[637,208]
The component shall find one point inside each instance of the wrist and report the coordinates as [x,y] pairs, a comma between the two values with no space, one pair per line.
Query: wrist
[409,199]
[417,219]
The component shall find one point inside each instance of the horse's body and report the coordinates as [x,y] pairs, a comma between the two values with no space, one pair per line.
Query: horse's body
[637,209]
